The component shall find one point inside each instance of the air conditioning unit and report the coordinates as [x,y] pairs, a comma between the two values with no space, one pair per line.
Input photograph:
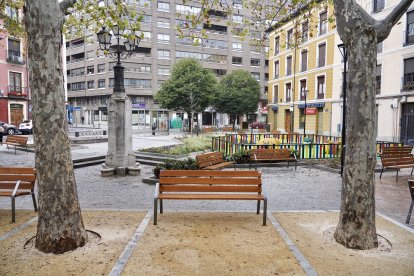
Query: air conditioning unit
[1,91]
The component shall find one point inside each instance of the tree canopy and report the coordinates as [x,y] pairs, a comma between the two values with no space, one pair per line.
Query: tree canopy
[190,88]
[238,93]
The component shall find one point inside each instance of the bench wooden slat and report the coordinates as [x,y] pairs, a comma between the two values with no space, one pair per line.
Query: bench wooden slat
[15,177]
[213,180]
[214,188]
[9,193]
[212,196]
[397,157]
[212,161]
[181,173]
[271,155]
[17,170]
[11,185]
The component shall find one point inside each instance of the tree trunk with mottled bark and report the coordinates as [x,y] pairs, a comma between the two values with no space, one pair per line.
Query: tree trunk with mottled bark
[360,33]
[60,227]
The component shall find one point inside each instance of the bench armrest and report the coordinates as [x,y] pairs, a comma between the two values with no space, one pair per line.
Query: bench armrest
[16,188]
[157,190]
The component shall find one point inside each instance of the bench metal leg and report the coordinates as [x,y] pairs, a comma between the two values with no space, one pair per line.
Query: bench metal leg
[155,210]
[412,171]
[34,200]
[396,179]
[258,207]
[13,209]
[264,211]
[161,209]
[15,149]
[409,212]
[381,171]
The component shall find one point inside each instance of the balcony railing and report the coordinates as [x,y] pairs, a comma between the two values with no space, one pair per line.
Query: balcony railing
[17,91]
[407,82]
[15,57]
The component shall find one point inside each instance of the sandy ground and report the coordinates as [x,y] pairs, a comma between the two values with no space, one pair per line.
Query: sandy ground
[22,216]
[96,258]
[211,244]
[330,258]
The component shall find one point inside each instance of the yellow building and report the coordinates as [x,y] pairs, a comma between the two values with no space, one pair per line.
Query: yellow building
[301,61]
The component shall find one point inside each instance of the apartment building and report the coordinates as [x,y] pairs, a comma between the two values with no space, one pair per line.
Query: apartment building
[14,78]
[315,64]
[90,75]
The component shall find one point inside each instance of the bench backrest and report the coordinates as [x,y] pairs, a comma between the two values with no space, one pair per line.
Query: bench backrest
[270,153]
[17,139]
[227,128]
[207,129]
[400,155]
[10,175]
[209,159]
[198,181]
[397,150]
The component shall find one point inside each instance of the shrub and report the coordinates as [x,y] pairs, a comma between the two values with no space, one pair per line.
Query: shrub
[190,144]
[169,164]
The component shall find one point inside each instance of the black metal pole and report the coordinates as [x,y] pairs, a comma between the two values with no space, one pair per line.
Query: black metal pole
[118,72]
[343,140]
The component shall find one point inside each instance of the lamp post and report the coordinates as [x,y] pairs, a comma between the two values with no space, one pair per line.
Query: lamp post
[305,93]
[120,159]
[344,53]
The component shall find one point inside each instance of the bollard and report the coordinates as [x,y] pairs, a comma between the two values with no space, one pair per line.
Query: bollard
[77,134]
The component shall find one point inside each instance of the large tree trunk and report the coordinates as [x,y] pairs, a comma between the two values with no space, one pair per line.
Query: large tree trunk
[60,227]
[360,33]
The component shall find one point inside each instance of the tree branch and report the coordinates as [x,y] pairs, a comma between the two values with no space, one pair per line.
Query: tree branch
[66,4]
[384,26]
[368,19]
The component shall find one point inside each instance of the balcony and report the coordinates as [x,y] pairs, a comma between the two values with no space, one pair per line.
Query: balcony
[17,91]
[15,57]
[407,82]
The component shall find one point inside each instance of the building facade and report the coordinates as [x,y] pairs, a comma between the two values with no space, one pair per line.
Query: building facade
[322,75]
[90,76]
[14,78]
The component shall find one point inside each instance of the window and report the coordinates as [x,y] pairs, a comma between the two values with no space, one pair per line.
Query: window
[410,28]
[163,70]
[288,92]
[221,59]
[237,46]
[305,31]
[275,93]
[237,18]
[408,83]
[255,34]
[255,75]
[289,38]
[91,84]
[101,83]
[187,9]
[163,38]
[219,72]
[90,70]
[133,83]
[255,48]
[321,87]
[13,52]
[101,68]
[378,5]
[378,79]
[90,55]
[163,54]
[163,6]
[11,12]
[302,90]
[236,60]
[323,23]
[277,45]
[15,82]
[289,66]
[304,59]
[76,86]
[276,69]
[77,72]
[197,56]
[146,19]
[321,53]
[266,76]
[163,24]
[254,62]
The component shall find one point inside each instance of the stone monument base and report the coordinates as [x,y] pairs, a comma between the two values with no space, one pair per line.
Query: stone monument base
[120,171]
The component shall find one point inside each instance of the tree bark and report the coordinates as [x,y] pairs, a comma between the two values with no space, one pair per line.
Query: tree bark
[360,33]
[60,227]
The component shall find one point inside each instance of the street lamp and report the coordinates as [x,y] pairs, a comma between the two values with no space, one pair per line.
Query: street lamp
[120,159]
[344,53]
[305,93]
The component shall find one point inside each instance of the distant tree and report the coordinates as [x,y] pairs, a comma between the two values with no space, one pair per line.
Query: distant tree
[238,93]
[190,88]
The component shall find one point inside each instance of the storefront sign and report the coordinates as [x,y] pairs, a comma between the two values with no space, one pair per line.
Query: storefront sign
[311,111]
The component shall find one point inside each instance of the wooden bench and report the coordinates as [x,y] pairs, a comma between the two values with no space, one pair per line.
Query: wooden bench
[411,187]
[212,161]
[397,157]
[15,182]
[272,155]
[209,185]
[227,129]
[16,141]
[208,129]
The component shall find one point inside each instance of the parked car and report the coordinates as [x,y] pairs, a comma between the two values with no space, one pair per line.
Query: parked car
[8,128]
[258,125]
[26,127]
